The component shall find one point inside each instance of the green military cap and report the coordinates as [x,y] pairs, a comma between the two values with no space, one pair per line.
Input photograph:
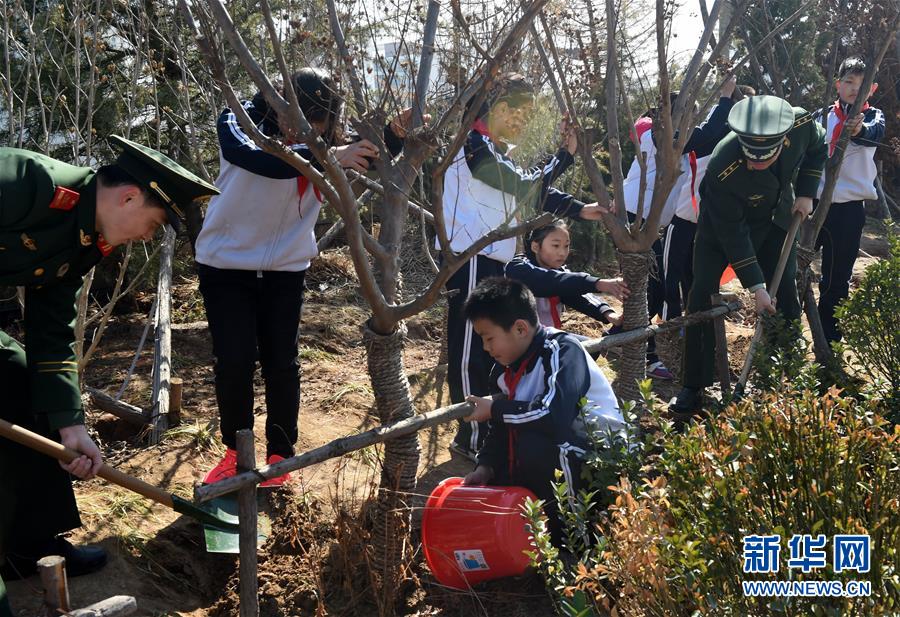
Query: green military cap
[171,183]
[761,122]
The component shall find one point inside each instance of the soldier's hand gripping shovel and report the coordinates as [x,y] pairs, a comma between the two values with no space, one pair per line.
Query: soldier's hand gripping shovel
[772,289]
[60,452]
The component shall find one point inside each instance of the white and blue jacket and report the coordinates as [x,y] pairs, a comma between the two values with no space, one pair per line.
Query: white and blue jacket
[483,188]
[266,215]
[560,391]
[702,141]
[856,180]
[556,289]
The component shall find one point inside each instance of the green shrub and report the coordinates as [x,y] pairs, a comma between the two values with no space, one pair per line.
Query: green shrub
[870,322]
[792,462]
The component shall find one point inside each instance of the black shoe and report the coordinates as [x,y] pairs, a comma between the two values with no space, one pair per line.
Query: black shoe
[80,560]
[688,402]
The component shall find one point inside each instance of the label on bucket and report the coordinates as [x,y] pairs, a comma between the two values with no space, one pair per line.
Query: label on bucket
[470,560]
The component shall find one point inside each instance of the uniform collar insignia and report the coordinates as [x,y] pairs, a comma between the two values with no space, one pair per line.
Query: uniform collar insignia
[28,242]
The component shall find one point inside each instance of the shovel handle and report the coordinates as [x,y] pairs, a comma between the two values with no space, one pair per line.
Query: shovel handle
[58,451]
[773,289]
[785,252]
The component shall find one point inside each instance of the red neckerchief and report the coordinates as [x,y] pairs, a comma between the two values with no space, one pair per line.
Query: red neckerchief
[842,117]
[302,185]
[554,312]
[512,381]
[480,127]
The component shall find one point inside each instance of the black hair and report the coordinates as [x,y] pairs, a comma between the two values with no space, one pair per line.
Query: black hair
[653,112]
[319,99]
[511,87]
[113,176]
[502,301]
[540,233]
[852,66]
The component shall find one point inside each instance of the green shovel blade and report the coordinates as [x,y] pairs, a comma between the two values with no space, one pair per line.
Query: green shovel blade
[221,532]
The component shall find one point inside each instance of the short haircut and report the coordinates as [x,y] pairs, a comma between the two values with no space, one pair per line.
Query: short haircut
[512,88]
[852,66]
[113,176]
[502,301]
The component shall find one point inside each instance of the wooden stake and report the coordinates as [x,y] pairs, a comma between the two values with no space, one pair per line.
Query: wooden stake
[162,358]
[115,606]
[175,393]
[247,519]
[721,346]
[56,587]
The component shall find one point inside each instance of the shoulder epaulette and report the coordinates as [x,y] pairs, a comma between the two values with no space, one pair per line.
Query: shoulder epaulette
[730,169]
[807,117]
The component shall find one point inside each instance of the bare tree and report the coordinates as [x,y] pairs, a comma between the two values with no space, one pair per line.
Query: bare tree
[671,129]
[377,258]
[877,49]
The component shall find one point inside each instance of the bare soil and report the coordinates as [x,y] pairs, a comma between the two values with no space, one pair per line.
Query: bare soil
[313,563]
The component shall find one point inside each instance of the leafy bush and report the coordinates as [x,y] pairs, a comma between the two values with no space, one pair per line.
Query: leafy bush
[870,322]
[671,544]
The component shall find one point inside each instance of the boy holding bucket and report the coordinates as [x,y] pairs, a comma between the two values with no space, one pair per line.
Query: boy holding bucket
[555,394]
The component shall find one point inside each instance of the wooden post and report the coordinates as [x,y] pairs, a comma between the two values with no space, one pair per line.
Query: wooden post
[175,394]
[162,357]
[721,347]
[115,606]
[56,587]
[247,515]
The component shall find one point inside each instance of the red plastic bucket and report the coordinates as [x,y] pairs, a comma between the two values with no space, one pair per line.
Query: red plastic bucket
[472,534]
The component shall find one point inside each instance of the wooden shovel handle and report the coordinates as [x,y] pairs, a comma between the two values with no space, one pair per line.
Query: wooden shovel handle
[58,451]
[774,284]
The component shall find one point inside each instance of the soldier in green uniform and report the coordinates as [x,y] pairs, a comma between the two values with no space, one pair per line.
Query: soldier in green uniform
[56,222]
[766,169]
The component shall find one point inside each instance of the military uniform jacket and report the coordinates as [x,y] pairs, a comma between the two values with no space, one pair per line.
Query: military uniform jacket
[48,241]
[738,205]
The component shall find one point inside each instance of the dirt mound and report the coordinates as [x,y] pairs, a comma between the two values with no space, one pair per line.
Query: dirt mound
[295,570]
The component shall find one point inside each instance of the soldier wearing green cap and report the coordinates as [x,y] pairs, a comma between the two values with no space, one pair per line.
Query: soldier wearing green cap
[766,169]
[56,222]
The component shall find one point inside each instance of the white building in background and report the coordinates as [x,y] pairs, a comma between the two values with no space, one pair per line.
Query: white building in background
[397,61]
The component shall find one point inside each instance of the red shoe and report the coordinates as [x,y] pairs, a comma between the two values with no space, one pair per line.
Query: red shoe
[226,468]
[280,480]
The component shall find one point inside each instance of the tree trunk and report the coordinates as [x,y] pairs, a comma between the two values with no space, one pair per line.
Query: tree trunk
[384,356]
[633,362]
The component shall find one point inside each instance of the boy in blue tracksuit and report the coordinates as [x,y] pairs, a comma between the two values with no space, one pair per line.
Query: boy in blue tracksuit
[484,189]
[556,396]
[840,236]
